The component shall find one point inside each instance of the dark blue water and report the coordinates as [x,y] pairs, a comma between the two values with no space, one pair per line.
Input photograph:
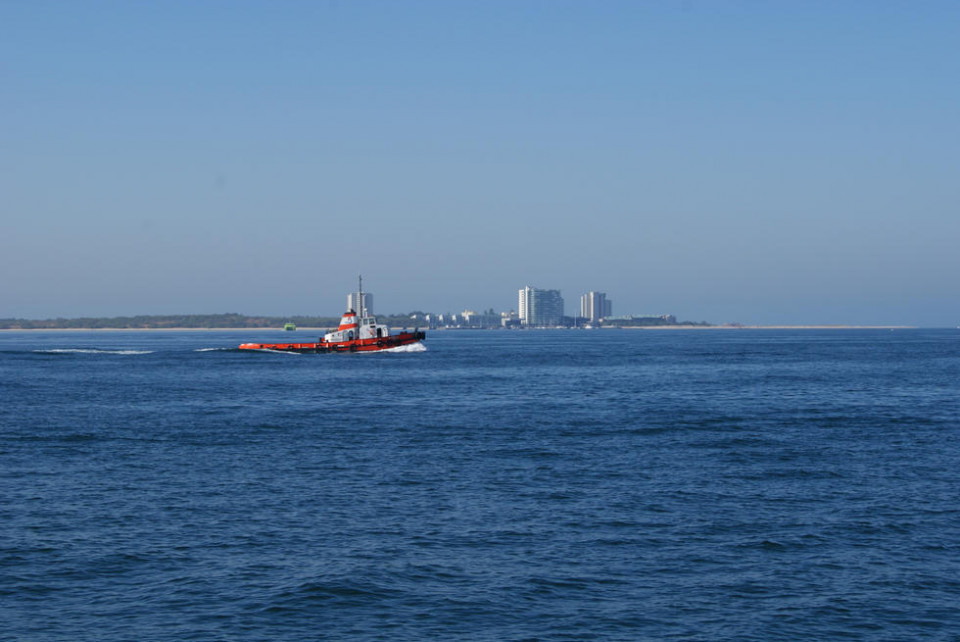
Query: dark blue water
[554,485]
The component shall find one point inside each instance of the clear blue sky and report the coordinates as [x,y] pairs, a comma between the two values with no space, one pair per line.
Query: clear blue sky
[761,162]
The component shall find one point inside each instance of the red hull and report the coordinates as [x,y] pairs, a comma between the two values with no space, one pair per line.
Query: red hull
[357,345]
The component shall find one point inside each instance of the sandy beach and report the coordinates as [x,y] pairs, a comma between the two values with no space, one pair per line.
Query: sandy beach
[771,327]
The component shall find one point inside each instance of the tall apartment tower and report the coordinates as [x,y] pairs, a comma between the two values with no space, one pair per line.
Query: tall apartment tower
[353,302]
[540,307]
[595,306]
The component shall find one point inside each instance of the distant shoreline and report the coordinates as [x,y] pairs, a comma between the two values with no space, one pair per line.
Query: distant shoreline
[326,329]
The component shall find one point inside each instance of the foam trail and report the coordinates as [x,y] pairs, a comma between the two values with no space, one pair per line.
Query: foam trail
[214,349]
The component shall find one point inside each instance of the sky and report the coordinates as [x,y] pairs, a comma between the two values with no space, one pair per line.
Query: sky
[725,161]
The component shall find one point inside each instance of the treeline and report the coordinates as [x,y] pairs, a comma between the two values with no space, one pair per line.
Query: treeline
[229,320]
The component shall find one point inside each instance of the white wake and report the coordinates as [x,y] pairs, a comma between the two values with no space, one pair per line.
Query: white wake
[410,347]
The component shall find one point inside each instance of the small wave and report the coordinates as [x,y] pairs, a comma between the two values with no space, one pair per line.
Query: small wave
[91,351]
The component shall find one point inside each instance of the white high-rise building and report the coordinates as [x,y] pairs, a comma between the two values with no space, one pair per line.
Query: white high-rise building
[540,307]
[595,306]
[353,302]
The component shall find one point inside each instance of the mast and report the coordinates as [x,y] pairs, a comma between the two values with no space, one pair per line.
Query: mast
[360,301]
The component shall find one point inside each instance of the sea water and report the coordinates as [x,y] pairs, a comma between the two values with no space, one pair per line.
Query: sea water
[500,485]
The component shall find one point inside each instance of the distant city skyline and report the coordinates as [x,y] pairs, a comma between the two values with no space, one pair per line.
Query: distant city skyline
[535,306]
[718,160]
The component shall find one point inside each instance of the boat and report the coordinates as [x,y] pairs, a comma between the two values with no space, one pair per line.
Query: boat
[357,332]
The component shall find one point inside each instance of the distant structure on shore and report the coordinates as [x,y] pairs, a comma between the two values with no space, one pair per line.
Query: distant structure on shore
[595,306]
[353,302]
[539,307]
[641,320]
